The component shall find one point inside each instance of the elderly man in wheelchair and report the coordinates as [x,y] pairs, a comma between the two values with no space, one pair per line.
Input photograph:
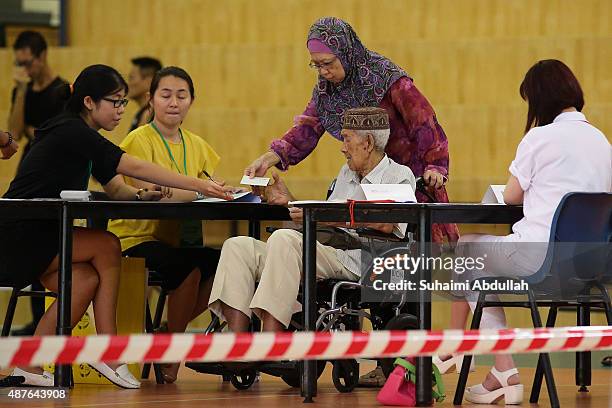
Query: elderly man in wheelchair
[264,277]
[277,263]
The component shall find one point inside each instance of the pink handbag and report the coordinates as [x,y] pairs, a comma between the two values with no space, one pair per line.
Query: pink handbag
[400,387]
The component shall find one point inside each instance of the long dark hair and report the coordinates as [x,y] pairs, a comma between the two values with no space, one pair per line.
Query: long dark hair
[549,87]
[95,81]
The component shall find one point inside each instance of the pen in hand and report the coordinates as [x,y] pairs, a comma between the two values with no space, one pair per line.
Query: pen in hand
[220,184]
[210,178]
[229,190]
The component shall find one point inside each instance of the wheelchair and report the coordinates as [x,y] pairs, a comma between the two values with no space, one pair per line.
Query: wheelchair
[340,308]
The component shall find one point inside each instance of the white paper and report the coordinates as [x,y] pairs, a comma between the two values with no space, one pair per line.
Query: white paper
[494,194]
[75,195]
[255,181]
[400,193]
[243,197]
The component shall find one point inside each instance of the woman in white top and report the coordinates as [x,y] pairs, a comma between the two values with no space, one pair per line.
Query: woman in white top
[561,152]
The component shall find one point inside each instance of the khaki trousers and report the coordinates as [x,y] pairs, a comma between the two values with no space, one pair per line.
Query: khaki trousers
[277,266]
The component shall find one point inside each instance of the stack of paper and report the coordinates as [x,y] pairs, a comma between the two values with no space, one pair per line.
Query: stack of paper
[399,193]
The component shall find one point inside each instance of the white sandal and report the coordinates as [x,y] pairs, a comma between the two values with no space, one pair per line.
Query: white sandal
[455,361]
[512,394]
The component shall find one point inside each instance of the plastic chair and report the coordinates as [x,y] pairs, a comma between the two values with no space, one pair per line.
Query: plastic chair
[577,262]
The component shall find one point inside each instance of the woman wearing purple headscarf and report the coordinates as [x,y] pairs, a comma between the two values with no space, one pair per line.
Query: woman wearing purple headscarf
[352,76]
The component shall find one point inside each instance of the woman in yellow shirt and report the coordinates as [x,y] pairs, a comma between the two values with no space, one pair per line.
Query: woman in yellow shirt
[186,269]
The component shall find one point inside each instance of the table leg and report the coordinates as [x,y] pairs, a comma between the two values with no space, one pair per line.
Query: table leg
[309,240]
[64,296]
[254,229]
[583,358]
[423,364]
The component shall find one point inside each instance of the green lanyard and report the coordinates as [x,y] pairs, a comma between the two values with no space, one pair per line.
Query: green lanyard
[170,151]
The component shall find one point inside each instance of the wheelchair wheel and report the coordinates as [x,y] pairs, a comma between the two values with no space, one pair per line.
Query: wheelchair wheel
[345,375]
[294,379]
[404,321]
[244,380]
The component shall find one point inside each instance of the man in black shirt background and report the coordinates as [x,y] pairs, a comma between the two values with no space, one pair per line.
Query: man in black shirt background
[139,82]
[38,95]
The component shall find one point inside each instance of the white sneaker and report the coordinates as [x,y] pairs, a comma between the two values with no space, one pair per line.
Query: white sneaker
[120,377]
[455,361]
[511,394]
[39,380]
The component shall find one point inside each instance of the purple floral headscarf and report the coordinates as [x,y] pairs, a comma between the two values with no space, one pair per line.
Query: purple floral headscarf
[368,75]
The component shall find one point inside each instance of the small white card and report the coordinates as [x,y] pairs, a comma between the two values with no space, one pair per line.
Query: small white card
[494,194]
[255,181]
[400,193]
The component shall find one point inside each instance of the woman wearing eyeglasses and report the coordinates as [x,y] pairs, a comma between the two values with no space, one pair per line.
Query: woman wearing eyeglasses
[352,76]
[67,150]
[172,249]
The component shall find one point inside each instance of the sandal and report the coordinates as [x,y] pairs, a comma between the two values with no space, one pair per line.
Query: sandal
[169,372]
[374,379]
[445,366]
[511,394]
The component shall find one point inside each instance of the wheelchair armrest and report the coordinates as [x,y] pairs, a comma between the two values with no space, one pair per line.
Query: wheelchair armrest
[375,234]
[422,188]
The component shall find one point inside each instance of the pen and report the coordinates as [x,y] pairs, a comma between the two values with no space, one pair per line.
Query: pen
[209,177]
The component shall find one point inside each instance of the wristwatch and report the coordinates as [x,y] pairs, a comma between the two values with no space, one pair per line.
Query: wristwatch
[139,193]
[199,196]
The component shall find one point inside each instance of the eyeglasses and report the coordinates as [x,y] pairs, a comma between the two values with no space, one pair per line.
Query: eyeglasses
[26,64]
[324,65]
[117,102]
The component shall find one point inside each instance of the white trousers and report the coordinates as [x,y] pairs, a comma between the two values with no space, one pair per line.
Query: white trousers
[504,257]
[277,266]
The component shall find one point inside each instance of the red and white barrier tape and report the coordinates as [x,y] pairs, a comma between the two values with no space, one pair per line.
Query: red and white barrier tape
[28,351]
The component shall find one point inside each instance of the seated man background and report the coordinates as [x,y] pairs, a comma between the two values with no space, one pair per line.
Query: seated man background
[277,263]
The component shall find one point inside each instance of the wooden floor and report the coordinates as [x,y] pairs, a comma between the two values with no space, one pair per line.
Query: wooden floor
[199,390]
